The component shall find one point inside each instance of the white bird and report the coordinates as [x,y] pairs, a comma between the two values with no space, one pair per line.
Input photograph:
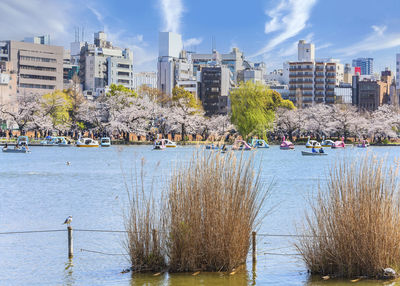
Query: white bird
[68,220]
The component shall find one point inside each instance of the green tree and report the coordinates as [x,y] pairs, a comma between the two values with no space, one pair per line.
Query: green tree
[118,89]
[57,105]
[253,108]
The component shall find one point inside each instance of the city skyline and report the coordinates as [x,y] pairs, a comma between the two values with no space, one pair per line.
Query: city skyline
[265,31]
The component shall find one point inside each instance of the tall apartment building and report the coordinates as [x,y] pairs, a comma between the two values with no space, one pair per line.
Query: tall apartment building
[215,85]
[144,78]
[102,64]
[365,64]
[39,68]
[314,82]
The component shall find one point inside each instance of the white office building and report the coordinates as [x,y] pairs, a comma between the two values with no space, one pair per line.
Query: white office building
[144,78]
[102,64]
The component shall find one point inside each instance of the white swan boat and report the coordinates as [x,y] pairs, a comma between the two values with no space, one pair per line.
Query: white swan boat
[326,142]
[87,142]
[168,143]
[312,143]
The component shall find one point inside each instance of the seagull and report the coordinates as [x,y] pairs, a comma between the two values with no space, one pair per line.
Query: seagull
[68,220]
[68,163]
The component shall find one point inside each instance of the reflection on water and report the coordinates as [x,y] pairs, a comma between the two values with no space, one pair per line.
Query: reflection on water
[182,279]
[38,191]
[317,281]
[68,273]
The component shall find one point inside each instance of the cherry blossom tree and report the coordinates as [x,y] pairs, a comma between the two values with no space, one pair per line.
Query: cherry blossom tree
[22,113]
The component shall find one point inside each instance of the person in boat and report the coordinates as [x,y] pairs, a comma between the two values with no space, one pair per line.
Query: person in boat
[313,150]
[223,148]
[5,146]
[321,150]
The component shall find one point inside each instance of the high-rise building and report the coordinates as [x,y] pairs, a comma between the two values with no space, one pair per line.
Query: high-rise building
[365,64]
[215,85]
[306,51]
[170,48]
[102,64]
[234,60]
[39,68]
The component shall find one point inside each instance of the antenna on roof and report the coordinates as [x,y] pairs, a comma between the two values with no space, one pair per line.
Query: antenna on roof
[213,43]
[83,34]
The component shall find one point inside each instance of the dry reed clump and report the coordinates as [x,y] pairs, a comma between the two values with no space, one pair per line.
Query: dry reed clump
[213,204]
[145,229]
[354,226]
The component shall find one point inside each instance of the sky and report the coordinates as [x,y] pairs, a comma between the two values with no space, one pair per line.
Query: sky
[265,30]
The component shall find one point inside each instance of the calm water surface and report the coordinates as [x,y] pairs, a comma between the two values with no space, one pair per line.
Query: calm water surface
[38,191]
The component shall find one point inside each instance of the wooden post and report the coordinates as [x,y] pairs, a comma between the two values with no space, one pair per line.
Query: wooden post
[254,246]
[154,241]
[70,243]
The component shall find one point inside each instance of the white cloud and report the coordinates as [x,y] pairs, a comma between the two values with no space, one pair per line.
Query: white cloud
[375,41]
[288,19]
[192,42]
[21,18]
[171,11]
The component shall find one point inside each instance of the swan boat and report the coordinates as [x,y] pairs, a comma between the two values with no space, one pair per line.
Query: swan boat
[312,143]
[286,145]
[87,142]
[259,143]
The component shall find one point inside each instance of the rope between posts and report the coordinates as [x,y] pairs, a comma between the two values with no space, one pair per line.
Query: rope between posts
[32,231]
[125,231]
[104,253]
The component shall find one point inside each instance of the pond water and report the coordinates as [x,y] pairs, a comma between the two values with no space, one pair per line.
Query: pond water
[39,190]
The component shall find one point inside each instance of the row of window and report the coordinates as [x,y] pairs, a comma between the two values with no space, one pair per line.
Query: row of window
[42,86]
[38,59]
[24,67]
[42,77]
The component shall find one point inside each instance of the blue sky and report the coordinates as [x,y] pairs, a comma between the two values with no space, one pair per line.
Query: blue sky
[266,30]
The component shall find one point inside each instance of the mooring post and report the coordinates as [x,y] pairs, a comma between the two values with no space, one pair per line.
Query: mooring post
[154,240]
[254,246]
[70,243]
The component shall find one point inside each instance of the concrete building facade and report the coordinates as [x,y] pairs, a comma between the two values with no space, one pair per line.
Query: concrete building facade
[102,64]
[144,78]
[39,68]
[305,52]
[215,85]
[370,94]
[312,82]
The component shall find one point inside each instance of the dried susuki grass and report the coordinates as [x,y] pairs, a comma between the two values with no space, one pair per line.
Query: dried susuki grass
[213,206]
[145,241]
[354,226]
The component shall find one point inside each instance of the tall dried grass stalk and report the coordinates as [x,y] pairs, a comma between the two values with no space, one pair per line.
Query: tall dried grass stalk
[213,206]
[354,226]
[145,240]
